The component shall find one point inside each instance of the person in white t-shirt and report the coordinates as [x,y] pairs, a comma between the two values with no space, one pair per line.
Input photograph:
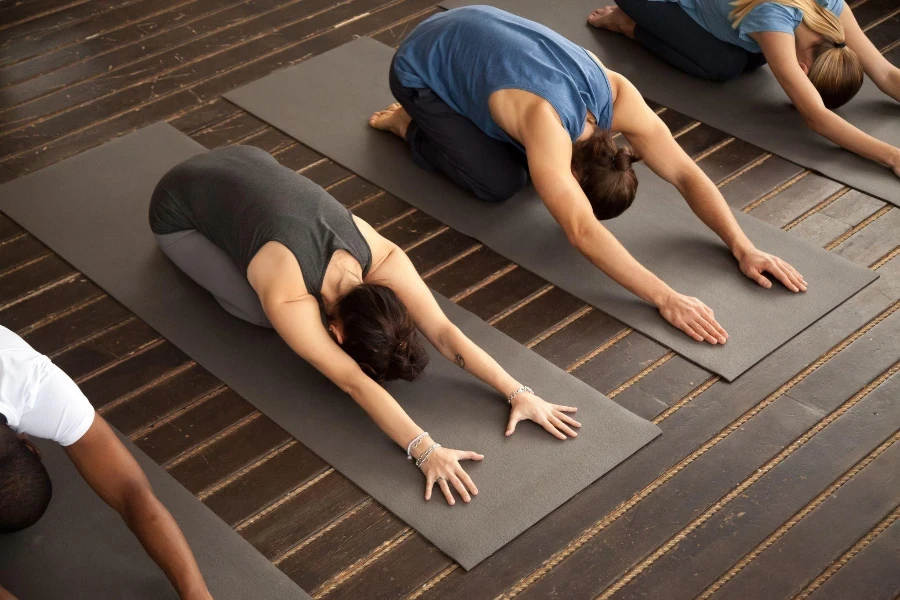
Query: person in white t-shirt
[39,399]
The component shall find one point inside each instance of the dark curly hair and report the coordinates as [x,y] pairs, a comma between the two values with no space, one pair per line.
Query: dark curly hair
[380,335]
[605,174]
[24,481]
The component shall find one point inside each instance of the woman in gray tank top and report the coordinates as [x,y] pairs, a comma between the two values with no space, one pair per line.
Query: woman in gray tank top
[277,250]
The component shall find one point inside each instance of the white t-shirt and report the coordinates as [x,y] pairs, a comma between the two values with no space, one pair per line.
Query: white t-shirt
[36,397]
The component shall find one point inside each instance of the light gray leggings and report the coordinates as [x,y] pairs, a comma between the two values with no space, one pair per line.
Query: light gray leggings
[213,269]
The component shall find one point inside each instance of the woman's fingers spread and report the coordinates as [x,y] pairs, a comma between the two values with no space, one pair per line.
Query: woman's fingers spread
[566,419]
[460,472]
[552,430]
[562,426]
[445,487]
[460,488]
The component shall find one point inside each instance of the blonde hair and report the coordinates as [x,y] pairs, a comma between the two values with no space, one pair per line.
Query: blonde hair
[836,71]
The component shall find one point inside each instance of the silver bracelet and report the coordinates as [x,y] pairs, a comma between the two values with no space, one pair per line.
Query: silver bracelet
[415,444]
[421,460]
[522,388]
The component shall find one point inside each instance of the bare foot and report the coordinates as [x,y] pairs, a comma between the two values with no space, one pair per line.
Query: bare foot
[612,19]
[394,119]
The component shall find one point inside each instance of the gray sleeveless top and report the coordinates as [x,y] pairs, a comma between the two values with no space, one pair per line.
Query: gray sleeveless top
[240,198]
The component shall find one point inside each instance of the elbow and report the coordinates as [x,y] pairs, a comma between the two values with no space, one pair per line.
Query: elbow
[139,506]
[579,235]
[817,120]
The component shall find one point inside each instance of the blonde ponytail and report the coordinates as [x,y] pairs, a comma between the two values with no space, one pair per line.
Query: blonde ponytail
[836,71]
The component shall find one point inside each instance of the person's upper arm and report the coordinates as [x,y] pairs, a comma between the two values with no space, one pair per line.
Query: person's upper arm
[107,466]
[781,54]
[549,152]
[876,66]
[276,277]
[649,136]
[61,412]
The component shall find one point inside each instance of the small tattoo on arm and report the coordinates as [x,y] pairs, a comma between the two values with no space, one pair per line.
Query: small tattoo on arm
[460,361]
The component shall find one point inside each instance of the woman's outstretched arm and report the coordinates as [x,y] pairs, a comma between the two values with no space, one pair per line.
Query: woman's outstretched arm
[275,275]
[396,271]
[879,69]
[781,54]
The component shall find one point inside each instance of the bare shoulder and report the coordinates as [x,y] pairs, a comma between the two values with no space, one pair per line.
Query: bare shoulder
[275,272]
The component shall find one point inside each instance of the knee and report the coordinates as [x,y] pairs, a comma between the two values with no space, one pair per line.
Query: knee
[727,68]
[502,187]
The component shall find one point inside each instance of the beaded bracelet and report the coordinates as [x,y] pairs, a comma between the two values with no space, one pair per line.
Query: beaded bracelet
[421,460]
[415,444]
[522,388]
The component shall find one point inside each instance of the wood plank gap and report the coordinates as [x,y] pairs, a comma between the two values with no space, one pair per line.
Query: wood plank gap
[452,261]
[96,334]
[432,582]
[430,236]
[883,19]
[393,220]
[799,516]
[118,361]
[485,282]
[885,259]
[303,543]
[658,363]
[171,416]
[52,317]
[209,491]
[559,326]
[146,387]
[688,398]
[22,265]
[243,524]
[194,450]
[336,183]
[573,546]
[45,13]
[714,148]
[357,567]
[847,556]
[366,200]
[686,129]
[838,194]
[599,349]
[859,227]
[41,289]
[744,169]
[776,191]
[14,238]
[739,489]
[520,304]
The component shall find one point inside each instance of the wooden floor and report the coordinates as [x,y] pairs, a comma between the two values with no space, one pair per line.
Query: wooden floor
[785,483]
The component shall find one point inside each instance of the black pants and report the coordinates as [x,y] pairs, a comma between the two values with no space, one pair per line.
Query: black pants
[441,139]
[670,33]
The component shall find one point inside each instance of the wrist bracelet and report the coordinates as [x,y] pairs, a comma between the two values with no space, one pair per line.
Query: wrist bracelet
[415,444]
[522,388]
[421,460]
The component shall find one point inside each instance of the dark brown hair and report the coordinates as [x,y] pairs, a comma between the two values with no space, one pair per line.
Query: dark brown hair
[605,174]
[25,483]
[380,335]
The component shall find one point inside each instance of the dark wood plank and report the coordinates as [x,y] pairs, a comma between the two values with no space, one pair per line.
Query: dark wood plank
[88,320]
[504,293]
[728,160]
[395,573]
[143,368]
[352,539]
[194,426]
[410,228]
[759,180]
[578,338]
[229,131]
[40,273]
[379,211]
[673,380]
[107,348]
[265,484]
[639,402]
[224,456]
[675,121]
[700,139]
[467,272]
[354,190]
[540,315]
[290,524]
[439,249]
[24,316]
[20,250]
[786,206]
[619,363]
[326,173]
[204,115]
[874,241]
[162,400]
[8,228]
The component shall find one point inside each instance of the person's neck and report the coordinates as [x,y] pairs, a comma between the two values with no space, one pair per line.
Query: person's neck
[341,277]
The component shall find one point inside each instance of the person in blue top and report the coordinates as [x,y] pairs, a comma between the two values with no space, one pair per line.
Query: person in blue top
[488,98]
[815,48]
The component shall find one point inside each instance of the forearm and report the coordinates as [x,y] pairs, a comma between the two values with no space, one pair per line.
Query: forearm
[164,542]
[455,346]
[890,83]
[710,207]
[842,133]
[384,410]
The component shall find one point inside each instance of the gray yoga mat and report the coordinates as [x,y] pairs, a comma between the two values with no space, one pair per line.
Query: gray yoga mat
[92,210]
[752,107]
[81,548]
[325,102]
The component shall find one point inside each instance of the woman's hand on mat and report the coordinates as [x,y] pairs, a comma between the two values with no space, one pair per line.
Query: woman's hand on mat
[443,468]
[692,317]
[552,417]
[754,263]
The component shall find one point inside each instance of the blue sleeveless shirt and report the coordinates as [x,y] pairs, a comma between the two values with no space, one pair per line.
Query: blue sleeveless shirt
[466,54]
